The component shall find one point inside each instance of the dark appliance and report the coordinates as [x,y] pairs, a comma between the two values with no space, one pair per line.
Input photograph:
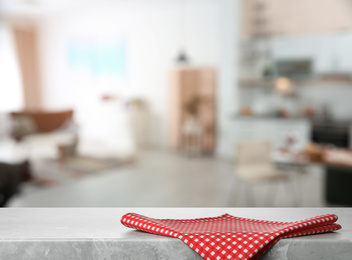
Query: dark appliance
[330,133]
[338,181]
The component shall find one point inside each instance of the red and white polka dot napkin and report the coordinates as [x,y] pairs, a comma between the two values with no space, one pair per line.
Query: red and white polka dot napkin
[229,237]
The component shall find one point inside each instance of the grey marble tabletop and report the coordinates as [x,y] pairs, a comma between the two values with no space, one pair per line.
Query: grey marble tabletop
[96,233]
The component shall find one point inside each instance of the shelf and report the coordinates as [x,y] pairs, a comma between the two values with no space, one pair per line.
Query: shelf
[319,80]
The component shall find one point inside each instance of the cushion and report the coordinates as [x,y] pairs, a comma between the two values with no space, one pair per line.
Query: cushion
[22,126]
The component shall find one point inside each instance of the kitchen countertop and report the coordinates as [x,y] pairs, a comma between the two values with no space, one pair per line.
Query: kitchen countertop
[313,120]
[270,117]
[96,233]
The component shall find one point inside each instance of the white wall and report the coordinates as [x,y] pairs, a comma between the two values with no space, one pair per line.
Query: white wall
[154,31]
[227,95]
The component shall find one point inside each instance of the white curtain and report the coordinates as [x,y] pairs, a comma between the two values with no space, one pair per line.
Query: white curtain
[10,78]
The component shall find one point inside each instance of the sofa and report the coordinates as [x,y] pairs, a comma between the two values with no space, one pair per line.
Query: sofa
[55,129]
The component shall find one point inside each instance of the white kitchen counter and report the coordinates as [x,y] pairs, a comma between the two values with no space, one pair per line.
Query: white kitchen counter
[96,233]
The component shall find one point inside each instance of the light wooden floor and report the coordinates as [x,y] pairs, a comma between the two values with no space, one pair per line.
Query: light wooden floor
[165,179]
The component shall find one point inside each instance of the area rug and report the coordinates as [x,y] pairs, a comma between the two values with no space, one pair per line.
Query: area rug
[92,165]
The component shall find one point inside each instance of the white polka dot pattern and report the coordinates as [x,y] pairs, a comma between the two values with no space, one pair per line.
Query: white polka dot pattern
[229,237]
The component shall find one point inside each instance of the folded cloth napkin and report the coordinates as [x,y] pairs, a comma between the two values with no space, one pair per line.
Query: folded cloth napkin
[229,237]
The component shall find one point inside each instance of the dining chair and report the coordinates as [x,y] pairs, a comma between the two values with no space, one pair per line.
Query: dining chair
[254,166]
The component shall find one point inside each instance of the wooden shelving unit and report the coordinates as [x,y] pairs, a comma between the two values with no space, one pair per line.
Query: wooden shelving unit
[189,84]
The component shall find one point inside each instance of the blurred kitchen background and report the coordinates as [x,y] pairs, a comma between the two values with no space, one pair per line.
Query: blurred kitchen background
[167,103]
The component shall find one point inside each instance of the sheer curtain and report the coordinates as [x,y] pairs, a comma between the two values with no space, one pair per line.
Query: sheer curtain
[11,96]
